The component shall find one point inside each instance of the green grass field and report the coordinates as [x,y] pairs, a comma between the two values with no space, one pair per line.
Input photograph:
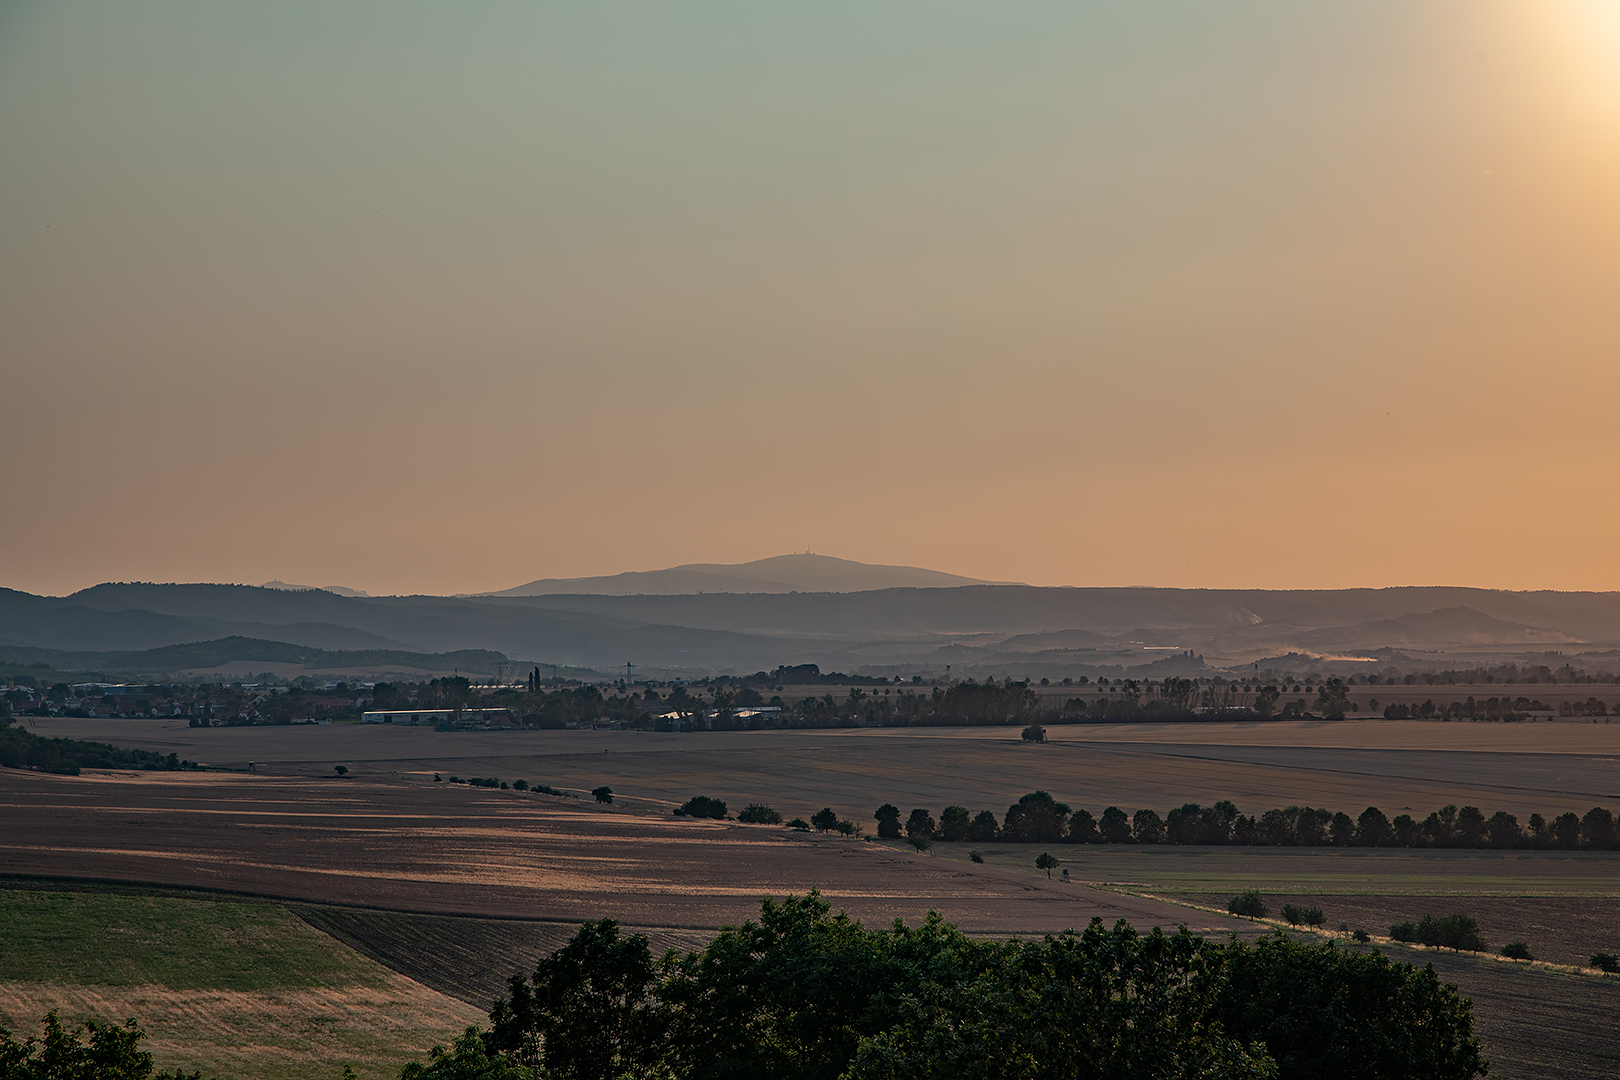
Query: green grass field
[246,991]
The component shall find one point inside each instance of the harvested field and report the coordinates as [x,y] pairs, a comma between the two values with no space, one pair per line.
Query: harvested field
[1401,766]
[244,990]
[443,848]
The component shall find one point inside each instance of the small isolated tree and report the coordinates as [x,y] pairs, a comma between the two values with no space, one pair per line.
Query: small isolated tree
[1047,862]
[1248,904]
[1033,733]
[799,824]
[1607,962]
[975,856]
[1361,936]
[758,814]
[1517,950]
[824,819]
[341,770]
[603,794]
[520,785]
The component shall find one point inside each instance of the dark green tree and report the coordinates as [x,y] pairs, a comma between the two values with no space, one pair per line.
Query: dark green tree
[1115,826]
[603,794]
[954,823]
[1037,818]
[888,821]
[1047,862]
[824,819]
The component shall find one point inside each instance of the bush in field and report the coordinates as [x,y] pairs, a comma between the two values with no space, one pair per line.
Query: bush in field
[1606,962]
[800,824]
[824,819]
[976,857]
[1517,950]
[520,785]
[603,794]
[1360,936]
[1033,733]
[1248,904]
[701,806]
[758,814]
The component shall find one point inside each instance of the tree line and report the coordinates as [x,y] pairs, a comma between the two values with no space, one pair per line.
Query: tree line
[805,994]
[22,749]
[1038,818]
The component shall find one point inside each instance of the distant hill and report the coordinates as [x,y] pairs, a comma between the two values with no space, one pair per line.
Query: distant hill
[341,590]
[778,574]
[202,655]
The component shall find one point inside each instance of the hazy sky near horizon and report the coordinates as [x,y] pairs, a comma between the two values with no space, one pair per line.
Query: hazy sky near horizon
[439,298]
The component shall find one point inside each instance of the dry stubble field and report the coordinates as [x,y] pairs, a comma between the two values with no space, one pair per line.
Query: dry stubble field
[529,867]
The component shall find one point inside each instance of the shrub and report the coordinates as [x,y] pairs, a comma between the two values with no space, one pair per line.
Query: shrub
[758,814]
[603,794]
[824,819]
[701,806]
[1517,950]
[520,785]
[800,824]
[1360,936]
[1248,904]
[975,856]
[1033,733]
[1606,962]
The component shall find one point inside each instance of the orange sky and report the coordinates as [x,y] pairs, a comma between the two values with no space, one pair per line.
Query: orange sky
[411,298]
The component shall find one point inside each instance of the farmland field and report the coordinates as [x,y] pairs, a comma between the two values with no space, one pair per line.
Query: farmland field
[245,990]
[455,886]
[1400,766]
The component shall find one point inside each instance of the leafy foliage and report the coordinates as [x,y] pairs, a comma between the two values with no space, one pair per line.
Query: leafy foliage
[808,995]
[60,1053]
[758,814]
[1449,932]
[1248,904]
[701,806]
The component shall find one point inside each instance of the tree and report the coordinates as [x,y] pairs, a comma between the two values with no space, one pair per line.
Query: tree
[1504,831]
[113,1053]
[1333,698]
[1373,829]
[1597,828]
[1517,950]
[1047,862]
[1115,826]
[466,1059]
[824,819]
[888,821]
[1566,831]
[920,827]
[1147,827]
[758,814]
[1033,733]
[1341,830]
[341,770]
[1037,818]
[954,823]
[603,794]
[701,806]
[1082,828]
[984,829]
[584,1013]
[1606,962]
[1248,904]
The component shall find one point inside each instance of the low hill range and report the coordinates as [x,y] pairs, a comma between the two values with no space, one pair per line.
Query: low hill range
[815,612]
[803,572]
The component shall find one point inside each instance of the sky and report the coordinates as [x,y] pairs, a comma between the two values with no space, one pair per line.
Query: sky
[444,298]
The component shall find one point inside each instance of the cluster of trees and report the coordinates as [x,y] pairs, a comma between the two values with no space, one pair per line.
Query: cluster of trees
[1449,932]
[805,994]
[21,749]
[95,1050]
[701,806]
[1038,818]
[1502,708]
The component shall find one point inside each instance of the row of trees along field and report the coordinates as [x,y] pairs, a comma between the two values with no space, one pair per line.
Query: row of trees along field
[1038,818]
[22,749]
